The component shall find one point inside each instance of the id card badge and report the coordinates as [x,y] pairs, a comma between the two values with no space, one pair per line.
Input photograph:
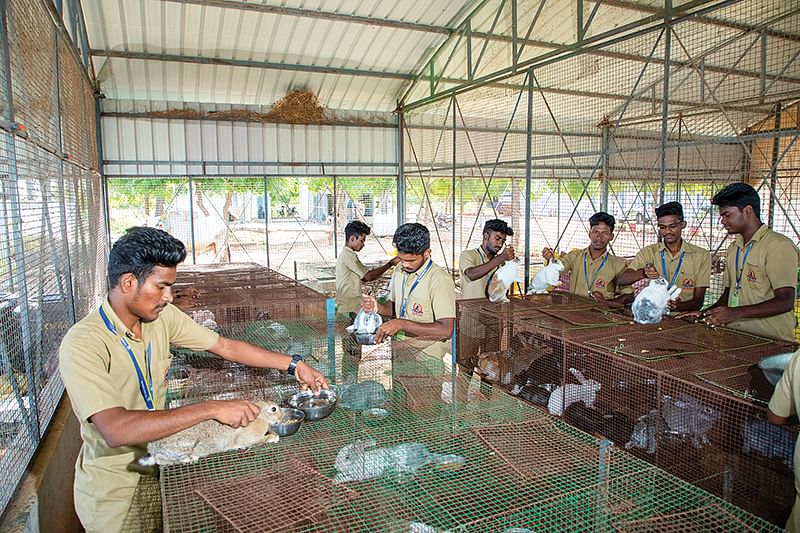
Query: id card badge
[733,299]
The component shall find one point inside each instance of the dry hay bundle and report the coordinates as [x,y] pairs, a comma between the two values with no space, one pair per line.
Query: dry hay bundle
[177,114]
[298,107]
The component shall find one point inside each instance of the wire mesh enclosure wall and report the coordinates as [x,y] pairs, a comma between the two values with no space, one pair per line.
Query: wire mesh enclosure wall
[680,395]
[672,113]
[52,256]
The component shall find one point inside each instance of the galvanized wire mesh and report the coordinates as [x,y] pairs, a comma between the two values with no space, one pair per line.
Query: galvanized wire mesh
[678,395]
[520,468]
[53,254]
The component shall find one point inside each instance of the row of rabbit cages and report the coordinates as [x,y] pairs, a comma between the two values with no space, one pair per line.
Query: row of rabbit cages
[222,294]
[683,396]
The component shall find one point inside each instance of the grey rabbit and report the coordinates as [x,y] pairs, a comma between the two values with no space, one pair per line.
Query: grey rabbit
[210,436]
[769,440]
[686,416]
[362,460]
[644,433]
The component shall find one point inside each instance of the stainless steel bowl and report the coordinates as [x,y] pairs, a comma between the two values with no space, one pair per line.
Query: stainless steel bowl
[292,420]
[773,366]
[315,407]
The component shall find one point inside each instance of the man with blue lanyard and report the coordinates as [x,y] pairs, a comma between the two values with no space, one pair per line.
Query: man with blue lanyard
[680,263]
[760,272]
[593,270]
[114,364]
[478,265]
[422,294]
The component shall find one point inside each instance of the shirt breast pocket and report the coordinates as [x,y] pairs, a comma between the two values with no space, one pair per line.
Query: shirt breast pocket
[754,276]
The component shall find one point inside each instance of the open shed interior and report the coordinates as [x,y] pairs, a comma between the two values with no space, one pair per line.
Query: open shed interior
[255,131]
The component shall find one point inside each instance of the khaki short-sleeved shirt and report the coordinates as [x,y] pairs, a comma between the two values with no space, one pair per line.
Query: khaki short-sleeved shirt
[695,267]
[433,298]
[349,271]
[605,280]
[473,288]
[98,374]
[785,402]
[771,264]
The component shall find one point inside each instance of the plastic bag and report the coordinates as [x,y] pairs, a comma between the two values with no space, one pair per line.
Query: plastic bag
[652,303]
[365,325]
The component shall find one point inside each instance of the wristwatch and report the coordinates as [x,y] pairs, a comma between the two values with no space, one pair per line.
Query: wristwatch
[295,359]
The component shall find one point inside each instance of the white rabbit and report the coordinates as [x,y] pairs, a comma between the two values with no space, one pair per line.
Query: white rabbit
[547,278]
[564,396]
[210,436]
[652,303]
[503,278]
[361,460]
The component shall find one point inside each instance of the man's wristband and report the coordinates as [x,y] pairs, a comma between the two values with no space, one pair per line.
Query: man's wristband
[293,365]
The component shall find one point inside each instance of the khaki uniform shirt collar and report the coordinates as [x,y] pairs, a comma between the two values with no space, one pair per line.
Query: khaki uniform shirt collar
[121,328]
[760,232]
[683,249]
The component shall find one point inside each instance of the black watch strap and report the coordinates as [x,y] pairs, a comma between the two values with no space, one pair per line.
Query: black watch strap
[293,365]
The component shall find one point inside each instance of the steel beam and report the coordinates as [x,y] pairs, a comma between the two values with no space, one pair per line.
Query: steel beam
[401,178]
[773,178]
[528,177]
[200,60]
[665,99]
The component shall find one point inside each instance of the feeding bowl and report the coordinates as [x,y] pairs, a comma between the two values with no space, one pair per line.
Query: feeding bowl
[772,367]
[291,421]
[315,407]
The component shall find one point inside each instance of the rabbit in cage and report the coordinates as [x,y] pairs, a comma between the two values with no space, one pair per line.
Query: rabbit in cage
[210,436]
[362,460]
[686,416]
[547,278]
[652,303]
[644,433]
[564,396]
[504,277]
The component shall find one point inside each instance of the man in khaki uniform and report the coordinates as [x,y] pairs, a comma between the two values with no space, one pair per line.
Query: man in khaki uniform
[784,403]
[760,272]
[682,264]
[114,364]
[593,270]
[478,265]
[422,296]
[350,272]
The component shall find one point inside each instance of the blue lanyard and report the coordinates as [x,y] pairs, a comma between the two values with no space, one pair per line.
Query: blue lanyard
[677,270]
[490,274]
[596,272]
[144,387]
[740,271]
[403,296]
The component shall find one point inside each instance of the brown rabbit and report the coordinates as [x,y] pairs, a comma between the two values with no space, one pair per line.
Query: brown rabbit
[210,437]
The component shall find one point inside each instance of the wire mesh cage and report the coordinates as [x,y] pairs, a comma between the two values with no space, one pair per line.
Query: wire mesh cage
[678,395]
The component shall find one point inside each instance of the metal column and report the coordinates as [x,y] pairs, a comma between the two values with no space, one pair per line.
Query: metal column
[453,192]
[401,182]
[604,167]
[191,220]
[773,179]
[665,99]
[528,184]
[266,218]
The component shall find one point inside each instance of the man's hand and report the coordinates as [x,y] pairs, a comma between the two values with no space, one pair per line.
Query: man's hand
[308,377]
[507,254]
[368,303]
[673,304]
[650,272]
[597,295]
[691,315]
[234,413]
[388,329]
[721,316]
[547,253]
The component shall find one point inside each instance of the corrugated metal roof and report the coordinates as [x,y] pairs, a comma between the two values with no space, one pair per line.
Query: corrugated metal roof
[154,27]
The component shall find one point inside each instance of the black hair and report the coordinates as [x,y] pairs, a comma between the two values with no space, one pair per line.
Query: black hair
[412,238]
[140,250]
[498,225]
[738,195]
[605,218]
[670,208]
[355,228]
